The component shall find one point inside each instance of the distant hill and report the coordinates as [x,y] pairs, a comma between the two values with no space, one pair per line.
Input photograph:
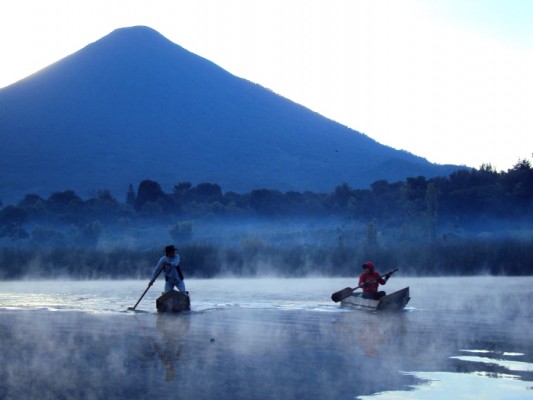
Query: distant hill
[135,106]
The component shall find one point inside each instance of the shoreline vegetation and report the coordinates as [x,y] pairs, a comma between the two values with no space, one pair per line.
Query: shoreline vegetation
[509,257]
[472,222]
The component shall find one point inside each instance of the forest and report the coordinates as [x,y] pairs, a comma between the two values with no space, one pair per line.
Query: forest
[475,221]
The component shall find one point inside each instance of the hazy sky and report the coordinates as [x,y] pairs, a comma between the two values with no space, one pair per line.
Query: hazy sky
[449,80]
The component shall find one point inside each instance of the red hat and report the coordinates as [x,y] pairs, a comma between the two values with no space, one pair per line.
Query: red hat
[370,265]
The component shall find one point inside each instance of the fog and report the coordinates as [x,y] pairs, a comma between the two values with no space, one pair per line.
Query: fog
[251,247]
[264,339]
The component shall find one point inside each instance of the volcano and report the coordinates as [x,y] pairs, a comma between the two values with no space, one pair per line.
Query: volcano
[134,105]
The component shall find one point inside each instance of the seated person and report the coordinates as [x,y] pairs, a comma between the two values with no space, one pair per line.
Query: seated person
[370,280]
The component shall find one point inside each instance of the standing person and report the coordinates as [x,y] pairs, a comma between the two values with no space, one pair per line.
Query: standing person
[370,281]
[170,263]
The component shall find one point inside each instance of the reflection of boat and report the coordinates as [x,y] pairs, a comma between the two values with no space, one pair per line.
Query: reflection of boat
[393,301]
[173,301]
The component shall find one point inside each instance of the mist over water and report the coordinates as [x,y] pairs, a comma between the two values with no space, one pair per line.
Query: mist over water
[266,339]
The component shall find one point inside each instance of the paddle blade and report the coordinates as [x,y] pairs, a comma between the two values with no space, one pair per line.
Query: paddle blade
[342,294]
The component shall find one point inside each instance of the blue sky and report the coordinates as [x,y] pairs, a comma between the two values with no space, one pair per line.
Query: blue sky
[449,80]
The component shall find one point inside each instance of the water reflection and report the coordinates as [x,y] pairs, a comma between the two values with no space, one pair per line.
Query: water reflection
[493,376]
[377,335]
[167,345]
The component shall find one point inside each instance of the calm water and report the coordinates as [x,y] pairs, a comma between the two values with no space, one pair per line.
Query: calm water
[459,338]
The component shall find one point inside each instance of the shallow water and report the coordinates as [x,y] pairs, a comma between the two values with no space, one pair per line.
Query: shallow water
[458,338]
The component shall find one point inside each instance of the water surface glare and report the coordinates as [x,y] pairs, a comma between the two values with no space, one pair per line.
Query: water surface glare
[272,338]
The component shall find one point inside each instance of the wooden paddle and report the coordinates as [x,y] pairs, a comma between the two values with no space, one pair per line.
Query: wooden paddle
[347,292]
[149,284]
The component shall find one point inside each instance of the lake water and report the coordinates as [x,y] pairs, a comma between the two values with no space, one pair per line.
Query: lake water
[459,338]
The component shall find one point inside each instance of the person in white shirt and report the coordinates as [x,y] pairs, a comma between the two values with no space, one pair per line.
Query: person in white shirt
[170,263]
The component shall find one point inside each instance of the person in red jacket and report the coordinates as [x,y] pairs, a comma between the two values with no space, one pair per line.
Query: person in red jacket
[370,281]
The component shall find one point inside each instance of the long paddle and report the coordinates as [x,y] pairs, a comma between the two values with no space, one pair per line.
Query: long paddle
[347,292]
[149,284]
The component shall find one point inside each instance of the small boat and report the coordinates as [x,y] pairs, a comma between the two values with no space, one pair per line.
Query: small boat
[173,302]
[392,302]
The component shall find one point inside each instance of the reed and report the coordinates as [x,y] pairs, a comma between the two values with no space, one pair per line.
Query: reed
[255,258]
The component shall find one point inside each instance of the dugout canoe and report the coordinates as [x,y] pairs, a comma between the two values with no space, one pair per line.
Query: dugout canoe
[391,302]
[173,302]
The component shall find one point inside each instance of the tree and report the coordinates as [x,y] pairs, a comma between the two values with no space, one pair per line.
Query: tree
[207,190]
[519,182]
[431,209]
[66,206]
[130,196]
[180,195]
[266,202]
[182,188]
[103,207]
[35,206]
[30,200]
[149,192]
[11,220]
[341,196]
[63,199]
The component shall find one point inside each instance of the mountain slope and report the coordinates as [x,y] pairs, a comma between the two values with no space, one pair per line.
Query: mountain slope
[134,105]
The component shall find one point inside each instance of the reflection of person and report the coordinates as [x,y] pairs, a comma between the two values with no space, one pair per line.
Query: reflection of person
[371,337]
[169,347]
[370,280]
[170,263]
[169,351]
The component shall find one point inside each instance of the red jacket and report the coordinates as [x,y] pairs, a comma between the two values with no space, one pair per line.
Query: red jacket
[371,276]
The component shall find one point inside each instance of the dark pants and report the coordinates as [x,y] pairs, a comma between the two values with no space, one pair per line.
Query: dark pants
[373,295]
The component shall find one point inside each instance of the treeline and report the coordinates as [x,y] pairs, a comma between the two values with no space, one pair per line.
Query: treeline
[465,197]
[417,204]
[463,224]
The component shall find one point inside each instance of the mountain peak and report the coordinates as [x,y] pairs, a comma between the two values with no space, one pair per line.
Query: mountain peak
[134,106]
[137,34]
[137,30]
